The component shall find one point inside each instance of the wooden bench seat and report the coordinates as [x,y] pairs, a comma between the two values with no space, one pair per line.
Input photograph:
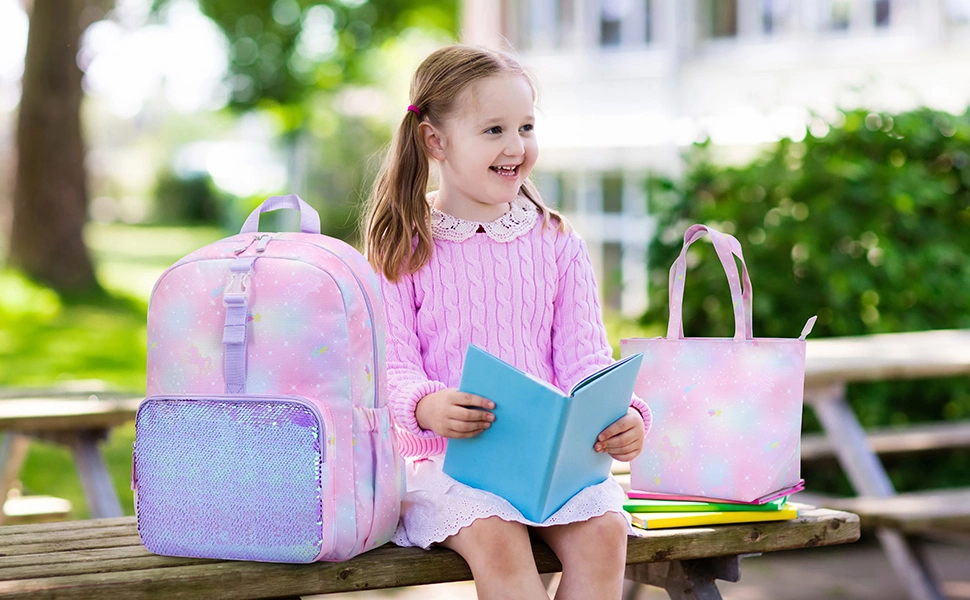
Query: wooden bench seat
[104,558]
[897,440]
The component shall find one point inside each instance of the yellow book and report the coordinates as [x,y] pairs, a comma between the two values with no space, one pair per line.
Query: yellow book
[690,519]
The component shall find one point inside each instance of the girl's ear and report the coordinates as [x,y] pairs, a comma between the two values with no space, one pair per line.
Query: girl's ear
[433,140]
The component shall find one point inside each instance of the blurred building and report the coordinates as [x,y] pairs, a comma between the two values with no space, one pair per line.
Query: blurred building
[626,85]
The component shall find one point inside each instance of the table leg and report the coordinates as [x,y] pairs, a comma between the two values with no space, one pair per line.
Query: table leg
[686,579]
[13,452]
[869,478]
[98,488]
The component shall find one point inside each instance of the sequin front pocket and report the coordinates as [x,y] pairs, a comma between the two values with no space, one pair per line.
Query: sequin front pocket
[241,477]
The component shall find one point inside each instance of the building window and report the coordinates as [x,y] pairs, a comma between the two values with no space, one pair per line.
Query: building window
[625,23]
[564,29]
[568,194]
[647,21]
[882,13]
[613,193]
[611,20]
[776,16]
[839,14]
[613,275]
[558,191]
[549,188]
[720,18]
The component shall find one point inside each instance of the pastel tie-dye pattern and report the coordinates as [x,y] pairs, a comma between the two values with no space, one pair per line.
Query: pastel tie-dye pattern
[203,475]
[726,412]
[726,416]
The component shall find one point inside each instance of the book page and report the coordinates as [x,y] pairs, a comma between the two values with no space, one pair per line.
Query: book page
[591,378]
[539,381]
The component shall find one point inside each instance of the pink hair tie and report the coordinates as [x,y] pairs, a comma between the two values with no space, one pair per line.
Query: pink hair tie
[414,109]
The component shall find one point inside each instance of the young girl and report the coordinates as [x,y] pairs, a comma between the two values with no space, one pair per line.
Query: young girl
[482,261]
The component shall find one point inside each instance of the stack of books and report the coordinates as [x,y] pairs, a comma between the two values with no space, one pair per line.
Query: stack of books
[651,513]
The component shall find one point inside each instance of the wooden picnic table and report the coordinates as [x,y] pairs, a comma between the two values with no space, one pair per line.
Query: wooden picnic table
[104,558]
[78,421]
[832,364]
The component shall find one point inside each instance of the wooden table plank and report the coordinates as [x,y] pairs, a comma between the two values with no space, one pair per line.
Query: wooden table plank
[49,414]
[946,510]
[116,573]
[892,440]
[913,355]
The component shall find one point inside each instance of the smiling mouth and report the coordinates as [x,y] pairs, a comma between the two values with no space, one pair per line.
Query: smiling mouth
[510,171]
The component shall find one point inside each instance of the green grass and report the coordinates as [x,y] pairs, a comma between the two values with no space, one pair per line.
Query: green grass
[47,341]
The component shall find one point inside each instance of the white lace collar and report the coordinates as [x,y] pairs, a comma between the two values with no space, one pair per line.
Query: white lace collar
[516,222]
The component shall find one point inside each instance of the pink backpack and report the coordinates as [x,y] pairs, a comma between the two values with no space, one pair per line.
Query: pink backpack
[265,434]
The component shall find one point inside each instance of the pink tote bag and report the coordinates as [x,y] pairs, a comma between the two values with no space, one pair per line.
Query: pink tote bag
[726,411]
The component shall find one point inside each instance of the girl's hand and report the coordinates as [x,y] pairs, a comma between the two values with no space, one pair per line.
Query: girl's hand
[454,414]
[623,440]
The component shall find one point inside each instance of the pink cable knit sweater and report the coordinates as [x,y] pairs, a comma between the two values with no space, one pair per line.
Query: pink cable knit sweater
[532,301]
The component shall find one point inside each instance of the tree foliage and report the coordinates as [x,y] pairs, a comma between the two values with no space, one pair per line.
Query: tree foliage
[291,57]
[281,51]
[866,226]
[863,223]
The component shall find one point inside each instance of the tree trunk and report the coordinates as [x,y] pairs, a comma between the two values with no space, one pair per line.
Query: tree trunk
[50,194]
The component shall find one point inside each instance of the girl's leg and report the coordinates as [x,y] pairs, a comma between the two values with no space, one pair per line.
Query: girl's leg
[500,556]
[593,556]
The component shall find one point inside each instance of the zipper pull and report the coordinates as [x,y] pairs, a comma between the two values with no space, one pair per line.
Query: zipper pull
[263,240]
[242,249]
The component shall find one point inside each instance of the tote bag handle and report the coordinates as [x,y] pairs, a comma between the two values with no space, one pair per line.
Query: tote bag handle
[727,247]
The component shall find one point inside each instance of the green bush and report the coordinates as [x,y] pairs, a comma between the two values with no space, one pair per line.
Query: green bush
[864,222]
[193,199]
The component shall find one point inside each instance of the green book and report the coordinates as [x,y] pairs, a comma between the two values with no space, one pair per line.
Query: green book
[692,519]
[639,505]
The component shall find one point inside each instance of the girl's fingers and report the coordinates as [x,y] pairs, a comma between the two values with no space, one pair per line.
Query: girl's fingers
[475,401]
[468,428]
[625,452]
[622,425]
[630,438]
[473,415]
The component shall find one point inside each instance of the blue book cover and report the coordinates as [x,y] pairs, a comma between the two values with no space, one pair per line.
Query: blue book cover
[538,453]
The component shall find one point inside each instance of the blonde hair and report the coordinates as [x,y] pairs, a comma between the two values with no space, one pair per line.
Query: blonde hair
[398,213]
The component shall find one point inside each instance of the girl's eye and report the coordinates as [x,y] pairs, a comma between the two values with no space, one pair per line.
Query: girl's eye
[495,129]
[529,127]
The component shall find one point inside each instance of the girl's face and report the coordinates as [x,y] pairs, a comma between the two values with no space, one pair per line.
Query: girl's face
[486,149]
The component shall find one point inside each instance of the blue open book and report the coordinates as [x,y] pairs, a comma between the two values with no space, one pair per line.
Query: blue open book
[538,453]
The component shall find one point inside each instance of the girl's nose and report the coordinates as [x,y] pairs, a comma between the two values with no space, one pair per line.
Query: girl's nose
[515,146]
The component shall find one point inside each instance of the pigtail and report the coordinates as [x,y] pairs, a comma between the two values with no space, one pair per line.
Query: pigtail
[399,212]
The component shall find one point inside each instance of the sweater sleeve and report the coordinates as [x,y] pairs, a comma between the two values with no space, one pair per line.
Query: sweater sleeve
[579,343]
[407,381]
